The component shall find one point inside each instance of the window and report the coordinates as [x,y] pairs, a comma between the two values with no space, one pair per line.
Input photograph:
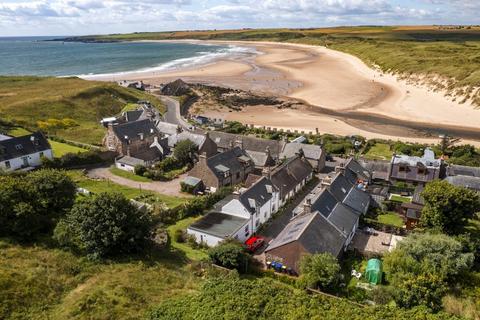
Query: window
[238,175]
[422,171]
[257,223]
[402,168]
[246,228]
[7,164]
[41,154]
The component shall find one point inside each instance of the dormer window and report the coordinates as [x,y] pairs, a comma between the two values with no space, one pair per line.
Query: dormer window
[402,168]
[19,147]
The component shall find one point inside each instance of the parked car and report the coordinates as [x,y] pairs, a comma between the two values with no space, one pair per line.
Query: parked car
[254,243]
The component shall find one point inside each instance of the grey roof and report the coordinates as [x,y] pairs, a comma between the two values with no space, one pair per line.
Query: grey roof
[417,195]
[167,128]
[456,170]
[133,115]
[150,154]
[314,233]
[288,175]
[192,181]
[219,224]
[22,146]
[428,159]
[310,151]
[228,160]
[340,187]
[354,171]
[226,140]
[134,129]
[258,194]
[324,202]
[343,218]
[465,181]
[198,139]
[261,159]
[357,200]
[131,161]
[378,168]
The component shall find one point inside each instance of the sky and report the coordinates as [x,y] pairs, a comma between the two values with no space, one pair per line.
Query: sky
[86,17]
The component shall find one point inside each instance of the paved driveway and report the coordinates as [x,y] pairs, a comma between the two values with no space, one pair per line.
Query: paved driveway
[170,188]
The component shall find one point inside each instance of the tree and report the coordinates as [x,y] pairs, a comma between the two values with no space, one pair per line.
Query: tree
[448,207]
[105,225]
[422,265]
[185,151]
[32,204]
[229,254]
[319,271]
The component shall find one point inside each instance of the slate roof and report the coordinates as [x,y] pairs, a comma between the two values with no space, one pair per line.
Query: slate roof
[428,159]
[407,167]
[134,129]
[288,175]
[150,154]
[324,202]
[22,146]
[357,200]
[310,151]
[225,140]
[219,224]
[261,192]
[130,161]
[228,159]
[261,159]
[192,181]
[313,232]
[343,218]
[133,115]
[340,187]
[456,170]
[465,181]
[354,171]
[198,139]
[167,128]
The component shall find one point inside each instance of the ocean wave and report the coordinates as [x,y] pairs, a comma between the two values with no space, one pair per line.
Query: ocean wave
[200,59]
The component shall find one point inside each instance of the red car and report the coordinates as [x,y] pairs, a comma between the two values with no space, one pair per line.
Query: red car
[254,243]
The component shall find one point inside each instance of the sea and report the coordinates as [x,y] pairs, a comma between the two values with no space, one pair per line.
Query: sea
[39,57]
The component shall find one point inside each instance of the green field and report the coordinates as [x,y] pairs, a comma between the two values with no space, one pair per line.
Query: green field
[423,50]
[391,218]
[43,283]
[398,198]
[27,100]
[128,175]
[99,186]
[60,149]
[190,253]
[380,151]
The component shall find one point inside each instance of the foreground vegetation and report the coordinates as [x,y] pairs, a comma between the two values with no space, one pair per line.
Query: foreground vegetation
[69,108]
[418,51]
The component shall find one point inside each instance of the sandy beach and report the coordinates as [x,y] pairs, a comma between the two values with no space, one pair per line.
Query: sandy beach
[346,96]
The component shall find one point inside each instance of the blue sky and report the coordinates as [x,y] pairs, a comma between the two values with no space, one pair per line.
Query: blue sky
[79,17]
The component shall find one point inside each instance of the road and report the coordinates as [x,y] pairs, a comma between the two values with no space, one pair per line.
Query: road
[173,113]
[170,188]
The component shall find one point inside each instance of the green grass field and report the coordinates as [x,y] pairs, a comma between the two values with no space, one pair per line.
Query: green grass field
[128,175]
[43,283]
[190,253]
[380,151]
[398,198]
[27,100]
[423,50]
[99,186]
[391,218]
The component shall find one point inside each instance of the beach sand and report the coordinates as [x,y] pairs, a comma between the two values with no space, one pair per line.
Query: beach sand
[358,96]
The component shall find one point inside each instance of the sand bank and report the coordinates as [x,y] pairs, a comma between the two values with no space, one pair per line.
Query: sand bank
[329,80]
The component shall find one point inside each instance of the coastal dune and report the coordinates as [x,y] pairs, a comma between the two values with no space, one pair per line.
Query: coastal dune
[345,95]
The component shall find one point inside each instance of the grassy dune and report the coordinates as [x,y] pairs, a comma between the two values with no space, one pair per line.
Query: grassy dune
[26,100]
[43,283]
[452,54]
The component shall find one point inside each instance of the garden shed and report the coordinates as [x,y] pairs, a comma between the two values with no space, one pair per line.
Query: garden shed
[374,271]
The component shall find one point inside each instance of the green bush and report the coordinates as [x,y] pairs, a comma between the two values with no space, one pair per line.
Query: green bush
[139,170]
[229,254]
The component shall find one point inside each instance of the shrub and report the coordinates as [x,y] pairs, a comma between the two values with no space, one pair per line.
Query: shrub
[319,271]
[139,170]
[179,236]
[105,225]
[229,254]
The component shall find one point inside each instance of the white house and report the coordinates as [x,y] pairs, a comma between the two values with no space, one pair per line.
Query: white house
[238,216]
[24,152]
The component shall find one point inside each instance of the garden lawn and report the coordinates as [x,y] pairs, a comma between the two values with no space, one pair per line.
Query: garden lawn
[128,175]
[190,253]
[380,151]
[99,186]
[60,149]
[397,198]
[391,218]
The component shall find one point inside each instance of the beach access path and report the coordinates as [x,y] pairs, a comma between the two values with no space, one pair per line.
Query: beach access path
[173,113]
[170,188]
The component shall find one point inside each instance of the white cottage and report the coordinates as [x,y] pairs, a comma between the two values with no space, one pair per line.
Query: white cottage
[24,152]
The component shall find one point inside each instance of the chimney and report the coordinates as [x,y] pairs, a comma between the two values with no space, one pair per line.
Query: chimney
[307,206]
[326,181]
[266,172]
[267,151]
[239,143]
[128,151]
[340,168]
[151,130]
[202,159]
[141,136]
[300,153]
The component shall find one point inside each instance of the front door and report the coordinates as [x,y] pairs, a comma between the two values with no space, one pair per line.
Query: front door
[25,162]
